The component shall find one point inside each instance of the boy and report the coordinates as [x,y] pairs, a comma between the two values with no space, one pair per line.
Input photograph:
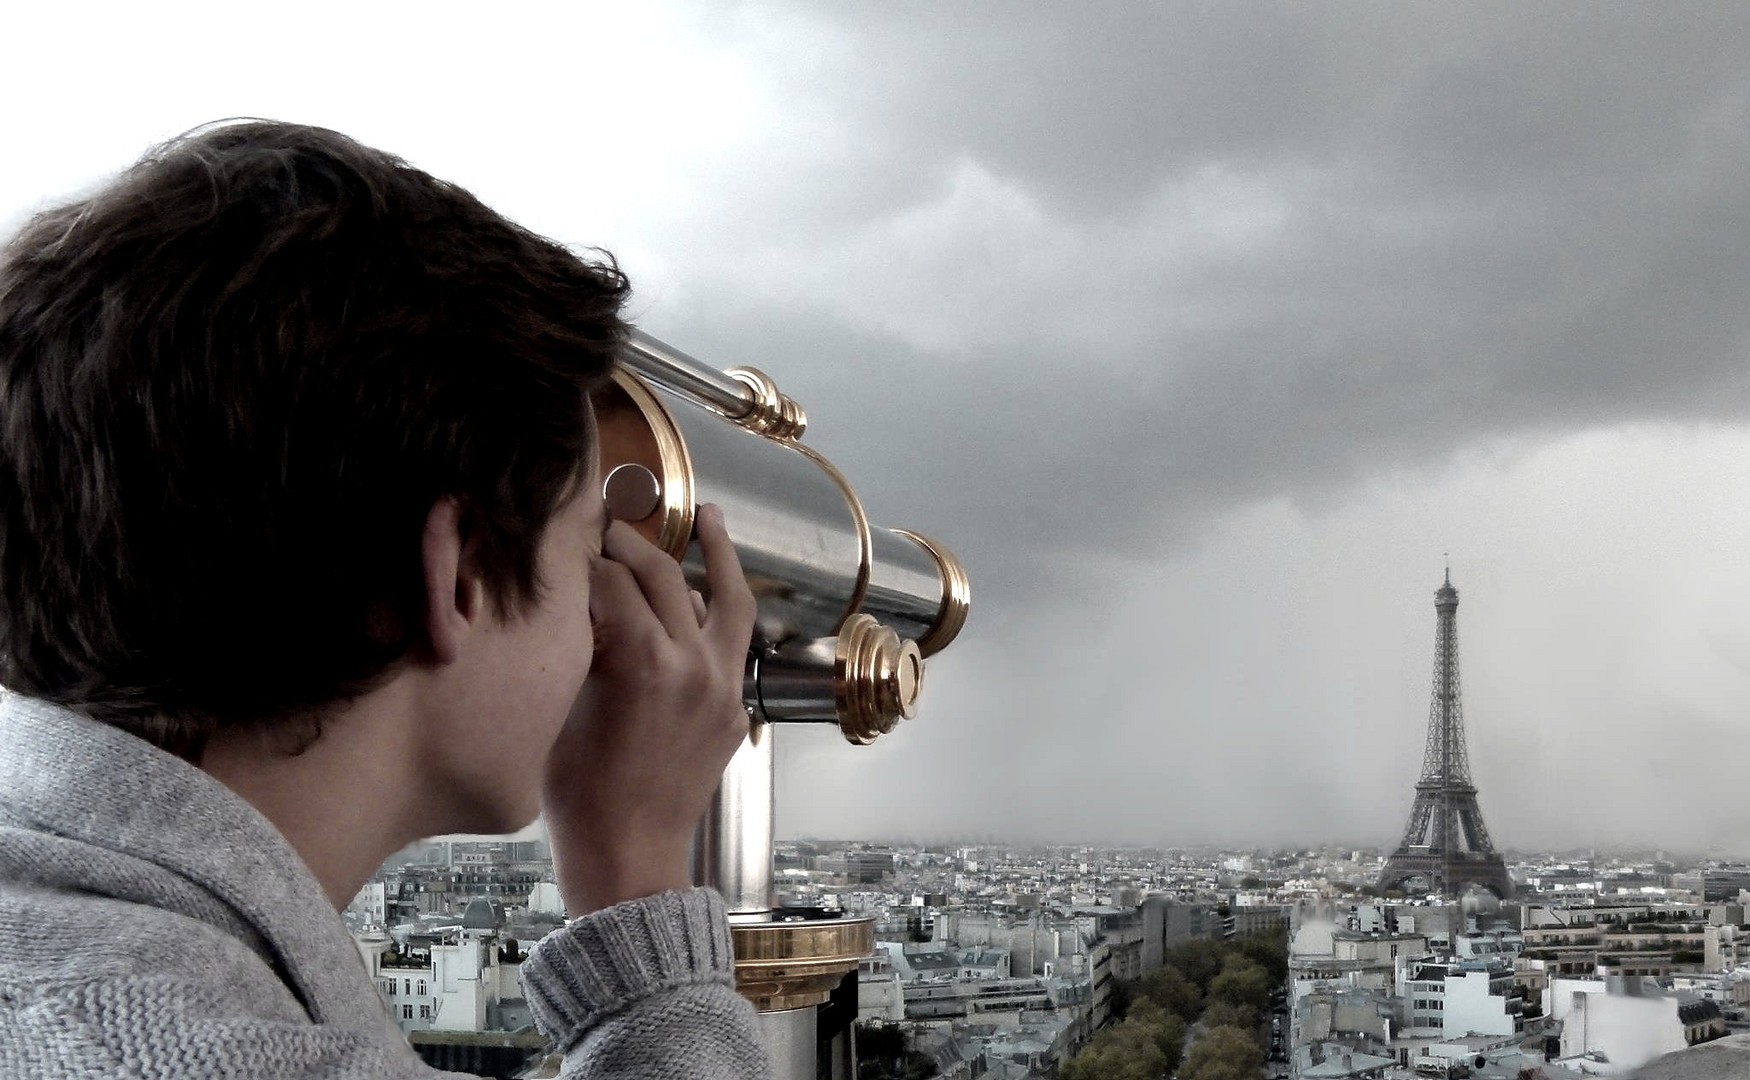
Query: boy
[302,558]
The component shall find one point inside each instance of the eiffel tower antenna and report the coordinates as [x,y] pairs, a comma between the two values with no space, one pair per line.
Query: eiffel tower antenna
[1446,843]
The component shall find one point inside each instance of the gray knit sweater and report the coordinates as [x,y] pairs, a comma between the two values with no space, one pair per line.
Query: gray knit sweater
[154,925]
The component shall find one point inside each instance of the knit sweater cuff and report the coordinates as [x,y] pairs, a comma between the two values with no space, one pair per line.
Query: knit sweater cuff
[609,959]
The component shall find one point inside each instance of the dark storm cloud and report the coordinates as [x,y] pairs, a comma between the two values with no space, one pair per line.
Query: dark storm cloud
[1074,287]
[1481,221]
[1198,330]
[1094,104]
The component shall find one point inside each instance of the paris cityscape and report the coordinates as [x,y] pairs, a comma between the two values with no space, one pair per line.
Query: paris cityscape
[1338,413]
[1442,956]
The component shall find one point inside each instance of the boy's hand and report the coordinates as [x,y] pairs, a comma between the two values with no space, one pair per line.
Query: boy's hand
[659,717]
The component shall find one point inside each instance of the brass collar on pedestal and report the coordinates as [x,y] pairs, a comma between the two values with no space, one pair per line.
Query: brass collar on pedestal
[795,965]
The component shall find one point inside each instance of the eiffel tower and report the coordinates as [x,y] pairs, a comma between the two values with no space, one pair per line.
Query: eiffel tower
[1446,843]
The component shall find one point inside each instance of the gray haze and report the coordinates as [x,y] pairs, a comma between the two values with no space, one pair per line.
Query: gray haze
[1201,332]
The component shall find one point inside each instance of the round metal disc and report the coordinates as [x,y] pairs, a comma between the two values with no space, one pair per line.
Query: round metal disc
[632,492]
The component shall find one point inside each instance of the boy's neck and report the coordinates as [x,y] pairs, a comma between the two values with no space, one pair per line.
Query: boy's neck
[345,803]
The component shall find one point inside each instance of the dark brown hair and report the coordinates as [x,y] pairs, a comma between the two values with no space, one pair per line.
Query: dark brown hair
[232,385]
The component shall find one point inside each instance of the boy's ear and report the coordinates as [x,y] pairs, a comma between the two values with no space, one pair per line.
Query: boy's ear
[455,594]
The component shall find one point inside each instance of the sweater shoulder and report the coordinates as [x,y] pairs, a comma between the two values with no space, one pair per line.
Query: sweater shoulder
[103,987]
[172,1027]
[55,941]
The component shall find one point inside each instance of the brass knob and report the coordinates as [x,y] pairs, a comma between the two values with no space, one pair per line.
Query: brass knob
[877,676]
[631,492]
[773,413]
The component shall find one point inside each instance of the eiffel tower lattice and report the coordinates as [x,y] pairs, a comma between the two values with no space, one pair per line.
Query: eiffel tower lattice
[1446,843]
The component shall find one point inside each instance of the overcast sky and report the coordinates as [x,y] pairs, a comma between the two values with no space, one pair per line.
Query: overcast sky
[1200,331]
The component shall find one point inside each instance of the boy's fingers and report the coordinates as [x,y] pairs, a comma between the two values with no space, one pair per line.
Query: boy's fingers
[658,576]
[610,588]
[700,611]
[617,607]
[729,622]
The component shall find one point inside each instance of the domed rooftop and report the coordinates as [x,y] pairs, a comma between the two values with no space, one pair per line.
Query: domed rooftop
[483,914]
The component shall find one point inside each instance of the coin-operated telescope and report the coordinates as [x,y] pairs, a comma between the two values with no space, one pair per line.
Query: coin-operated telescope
[848,611]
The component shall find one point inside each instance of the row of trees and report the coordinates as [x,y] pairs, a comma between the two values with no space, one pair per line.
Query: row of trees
[1214,991]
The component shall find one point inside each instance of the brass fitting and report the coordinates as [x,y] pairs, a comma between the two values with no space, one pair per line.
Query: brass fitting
[876,679]
[956,595]
[794,965]
[773,413]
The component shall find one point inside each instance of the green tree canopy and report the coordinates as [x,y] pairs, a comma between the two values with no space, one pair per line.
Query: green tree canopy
[1198,959]
[1268,951]
[1225,1014]
[1223,1053]
[1126,1051]
[1172,991]
[1242,983]
[1167,1030]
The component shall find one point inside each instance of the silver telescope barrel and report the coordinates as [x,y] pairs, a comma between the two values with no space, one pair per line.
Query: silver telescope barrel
[674,370]
[847,609]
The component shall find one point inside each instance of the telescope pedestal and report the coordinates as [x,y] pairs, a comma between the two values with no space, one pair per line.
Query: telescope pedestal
[789,971]
[790,1037]
[786,963]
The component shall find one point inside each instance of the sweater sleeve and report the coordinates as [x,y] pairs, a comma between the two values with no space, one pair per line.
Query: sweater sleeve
[646,989]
